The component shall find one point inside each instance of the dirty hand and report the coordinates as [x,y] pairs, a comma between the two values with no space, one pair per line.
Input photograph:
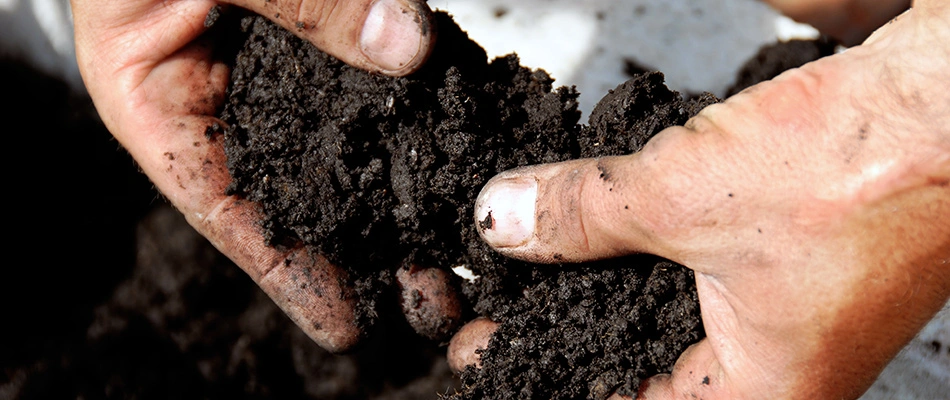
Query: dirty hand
[156,86]
[813,208]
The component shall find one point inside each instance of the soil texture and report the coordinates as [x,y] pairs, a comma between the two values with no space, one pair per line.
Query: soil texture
[378,173]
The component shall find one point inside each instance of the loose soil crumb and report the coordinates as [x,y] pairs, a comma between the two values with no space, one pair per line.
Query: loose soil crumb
[378,172]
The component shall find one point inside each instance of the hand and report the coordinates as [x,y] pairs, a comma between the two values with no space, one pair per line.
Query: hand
[151,75]
[813,208]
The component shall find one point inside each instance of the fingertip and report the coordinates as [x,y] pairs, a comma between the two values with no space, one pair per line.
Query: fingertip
[429,301]
[505,210]
[397,35]
[463,347]
[312,292]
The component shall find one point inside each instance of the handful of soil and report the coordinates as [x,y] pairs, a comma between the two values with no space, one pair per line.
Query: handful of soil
[379,173]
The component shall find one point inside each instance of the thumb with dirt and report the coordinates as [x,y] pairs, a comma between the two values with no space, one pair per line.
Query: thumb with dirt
[150,69]
[813,208]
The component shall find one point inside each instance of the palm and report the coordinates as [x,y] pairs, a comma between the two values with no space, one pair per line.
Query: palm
[158,91]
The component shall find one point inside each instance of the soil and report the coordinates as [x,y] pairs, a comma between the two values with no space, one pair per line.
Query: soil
[378,173]
[146,308]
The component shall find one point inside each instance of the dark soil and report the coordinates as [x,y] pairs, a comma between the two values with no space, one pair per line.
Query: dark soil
[378,172]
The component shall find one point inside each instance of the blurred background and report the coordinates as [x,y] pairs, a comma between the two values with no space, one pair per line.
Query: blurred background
[115,296]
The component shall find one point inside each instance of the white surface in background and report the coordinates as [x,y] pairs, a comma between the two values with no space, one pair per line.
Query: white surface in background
[538,35]
[55,18]
[787,29]
[698,45]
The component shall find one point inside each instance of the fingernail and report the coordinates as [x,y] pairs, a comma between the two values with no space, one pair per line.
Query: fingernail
[504,211]
[393,33]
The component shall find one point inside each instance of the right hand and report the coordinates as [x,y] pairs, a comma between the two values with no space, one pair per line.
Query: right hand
[157,88]
[814,210]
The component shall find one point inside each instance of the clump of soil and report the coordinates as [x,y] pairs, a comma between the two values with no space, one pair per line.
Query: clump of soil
[378,172]
[587,331]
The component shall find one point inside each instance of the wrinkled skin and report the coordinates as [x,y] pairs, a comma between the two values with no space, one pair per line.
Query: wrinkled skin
[157,88]
[814,209]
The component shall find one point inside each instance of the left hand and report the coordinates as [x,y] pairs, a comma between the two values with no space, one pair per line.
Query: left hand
[157,88]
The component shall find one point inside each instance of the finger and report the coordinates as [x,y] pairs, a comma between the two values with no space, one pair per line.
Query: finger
[555,212]
[313,292]
[598,208]
[168,137]
[430,301]
[463,347]
[393,37]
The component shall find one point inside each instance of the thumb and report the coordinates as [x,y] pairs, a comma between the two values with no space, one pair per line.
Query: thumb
[393,37]
[594,208]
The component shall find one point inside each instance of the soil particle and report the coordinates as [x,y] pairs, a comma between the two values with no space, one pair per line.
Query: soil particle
[486,223]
